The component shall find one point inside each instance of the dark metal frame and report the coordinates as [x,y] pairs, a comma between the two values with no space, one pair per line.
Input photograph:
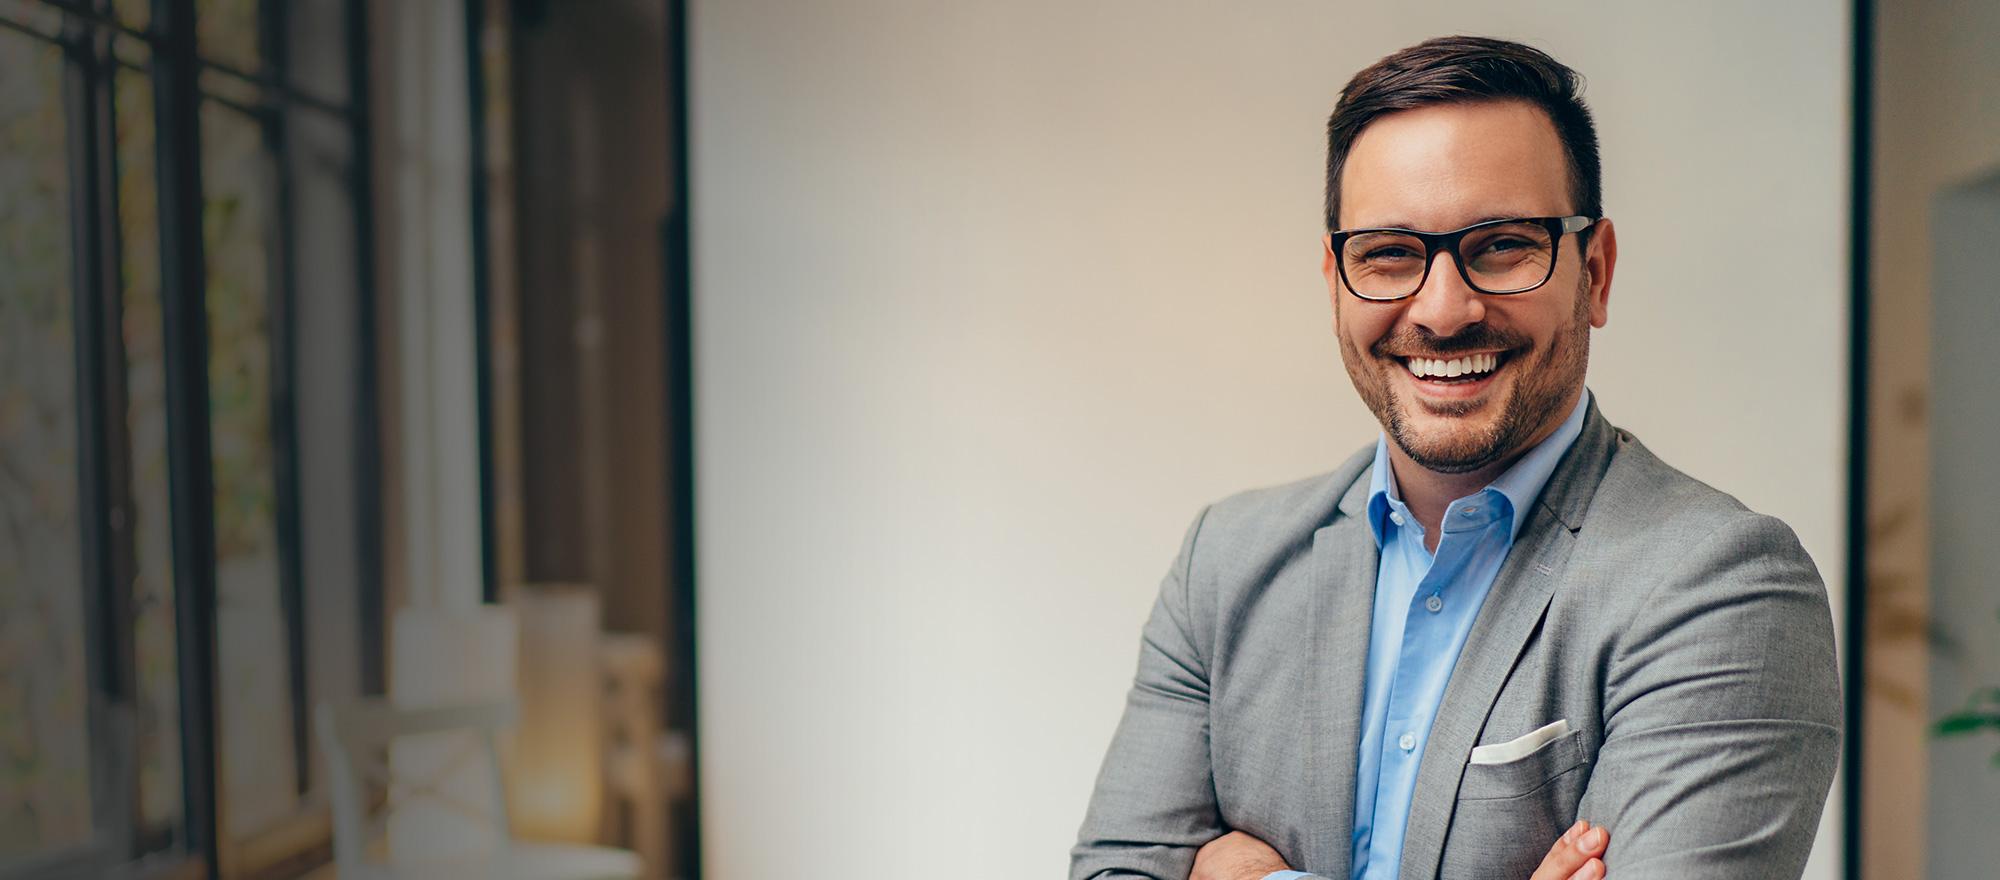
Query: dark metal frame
[366,441]
[97,13]
[1861,158]
[682,699]
[175,68]
[273,19]
[482,287]
[183,293]
[103,474]
[1448,242]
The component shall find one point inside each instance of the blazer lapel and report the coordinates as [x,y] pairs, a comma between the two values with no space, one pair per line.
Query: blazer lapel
[1344,559]
[1513,610]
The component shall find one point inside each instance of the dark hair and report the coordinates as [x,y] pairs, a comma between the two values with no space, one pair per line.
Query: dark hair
[1452,70]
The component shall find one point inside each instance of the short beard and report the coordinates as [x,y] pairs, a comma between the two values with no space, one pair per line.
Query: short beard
[1538,394]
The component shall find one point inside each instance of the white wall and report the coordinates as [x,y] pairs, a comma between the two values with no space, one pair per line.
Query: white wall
[990,298]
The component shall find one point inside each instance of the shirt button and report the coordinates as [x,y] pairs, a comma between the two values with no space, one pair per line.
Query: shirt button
[1470,510]
[1396,518]
[1434,604]
[1408,742]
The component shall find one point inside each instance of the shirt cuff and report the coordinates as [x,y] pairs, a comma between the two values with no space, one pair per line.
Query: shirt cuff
[1286,875]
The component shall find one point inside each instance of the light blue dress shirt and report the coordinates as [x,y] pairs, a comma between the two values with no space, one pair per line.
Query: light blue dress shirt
[1424,607]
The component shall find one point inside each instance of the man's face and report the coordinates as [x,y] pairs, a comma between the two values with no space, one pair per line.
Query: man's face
[1440,168]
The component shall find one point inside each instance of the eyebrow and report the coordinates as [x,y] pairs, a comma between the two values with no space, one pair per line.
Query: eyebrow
[1406,225]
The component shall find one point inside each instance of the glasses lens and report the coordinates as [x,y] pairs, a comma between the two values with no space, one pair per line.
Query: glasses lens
[1383,265]
[1508,257]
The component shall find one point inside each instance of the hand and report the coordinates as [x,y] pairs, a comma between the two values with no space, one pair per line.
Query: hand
[1577,855]
[1237,856]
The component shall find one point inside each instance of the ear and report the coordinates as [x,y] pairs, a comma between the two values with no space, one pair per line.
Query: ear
[1598,263]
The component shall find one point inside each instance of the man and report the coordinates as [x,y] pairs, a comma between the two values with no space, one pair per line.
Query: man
[1505,619]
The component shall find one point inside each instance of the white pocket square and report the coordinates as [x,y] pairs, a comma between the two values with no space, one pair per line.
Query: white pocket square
[1515,750]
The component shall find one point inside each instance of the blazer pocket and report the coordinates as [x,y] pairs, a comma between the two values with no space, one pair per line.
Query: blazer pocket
[1525,774]
[1521,746]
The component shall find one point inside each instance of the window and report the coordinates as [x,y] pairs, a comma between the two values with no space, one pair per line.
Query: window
[187,465]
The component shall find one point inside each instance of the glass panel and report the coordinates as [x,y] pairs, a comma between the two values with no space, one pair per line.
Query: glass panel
[44,752]
[1931,607]
[35,15]
[317,54]
[231,89]
[260,782]
[1961,698]
[226,33]
[146,419]
[328,363]
[134,13]
[132,52]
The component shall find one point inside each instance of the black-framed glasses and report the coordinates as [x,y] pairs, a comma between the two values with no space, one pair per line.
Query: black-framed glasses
[1496,257]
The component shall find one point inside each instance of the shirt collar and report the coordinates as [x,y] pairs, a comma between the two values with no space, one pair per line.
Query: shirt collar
[1520,484]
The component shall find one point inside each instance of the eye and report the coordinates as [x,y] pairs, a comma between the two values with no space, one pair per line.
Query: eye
[1508,245]
[1389,252]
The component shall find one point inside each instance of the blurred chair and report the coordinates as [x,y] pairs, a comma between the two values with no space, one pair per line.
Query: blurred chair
[645,768]
[357,735]
[633,667]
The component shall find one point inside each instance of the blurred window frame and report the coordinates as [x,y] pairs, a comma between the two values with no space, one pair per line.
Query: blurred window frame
[161,41]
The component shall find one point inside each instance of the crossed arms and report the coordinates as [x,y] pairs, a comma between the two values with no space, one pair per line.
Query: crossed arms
[1720,708]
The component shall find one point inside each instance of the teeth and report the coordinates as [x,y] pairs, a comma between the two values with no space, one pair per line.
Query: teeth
[1447,369]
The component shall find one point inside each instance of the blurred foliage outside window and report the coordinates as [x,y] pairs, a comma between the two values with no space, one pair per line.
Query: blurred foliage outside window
[50,744]
[262,781]
[44,763]
[146,420]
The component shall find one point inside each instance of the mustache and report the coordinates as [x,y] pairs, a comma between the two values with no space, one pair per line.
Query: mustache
[1419,342]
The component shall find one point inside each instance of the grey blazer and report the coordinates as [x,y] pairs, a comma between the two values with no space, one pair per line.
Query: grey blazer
[1685,640]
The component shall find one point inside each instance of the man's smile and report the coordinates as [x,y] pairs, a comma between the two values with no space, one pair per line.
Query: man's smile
[1457,377]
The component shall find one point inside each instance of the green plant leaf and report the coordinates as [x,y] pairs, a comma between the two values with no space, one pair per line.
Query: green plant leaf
[1965,722]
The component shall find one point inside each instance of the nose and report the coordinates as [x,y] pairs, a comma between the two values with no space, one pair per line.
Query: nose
[1446,304]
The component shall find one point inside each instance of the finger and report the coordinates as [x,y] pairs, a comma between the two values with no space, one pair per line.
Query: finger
[1568,840]
[1591,870]
[1564,857]
[1592,842]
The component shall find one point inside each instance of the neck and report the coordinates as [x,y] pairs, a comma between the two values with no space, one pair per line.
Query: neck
[1427,492]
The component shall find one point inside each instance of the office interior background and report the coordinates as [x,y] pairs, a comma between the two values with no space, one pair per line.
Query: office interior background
[788,409]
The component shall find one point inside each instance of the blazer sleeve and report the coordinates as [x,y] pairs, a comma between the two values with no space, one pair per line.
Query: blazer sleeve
[1722,715]
[1155,804]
